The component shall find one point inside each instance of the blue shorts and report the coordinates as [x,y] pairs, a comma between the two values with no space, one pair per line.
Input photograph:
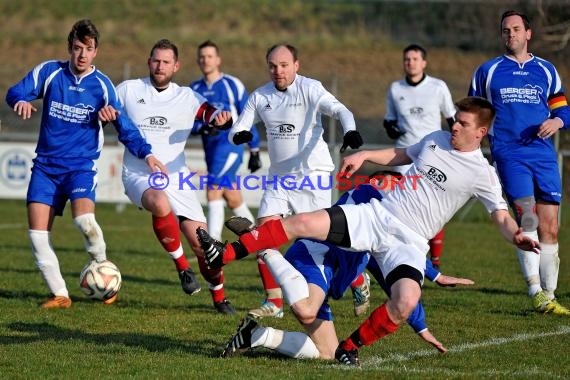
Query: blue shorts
[327,266]
[538,177]
[222,170]
[56,189]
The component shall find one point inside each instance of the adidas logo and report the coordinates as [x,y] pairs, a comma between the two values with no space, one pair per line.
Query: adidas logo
[141,101]
[267,107]
[432,147]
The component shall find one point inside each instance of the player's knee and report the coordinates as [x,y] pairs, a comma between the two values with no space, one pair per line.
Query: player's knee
[156,202]
[303,314]
[525,210]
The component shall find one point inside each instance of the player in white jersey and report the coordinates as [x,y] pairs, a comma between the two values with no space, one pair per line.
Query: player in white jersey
[414,106]
[448,169]
[165,113]
[291,106]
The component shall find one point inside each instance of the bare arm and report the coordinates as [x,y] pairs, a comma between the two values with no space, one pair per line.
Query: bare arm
[390,156]
[512,233]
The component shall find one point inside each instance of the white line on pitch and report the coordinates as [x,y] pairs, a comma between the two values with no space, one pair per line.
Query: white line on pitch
[562,330]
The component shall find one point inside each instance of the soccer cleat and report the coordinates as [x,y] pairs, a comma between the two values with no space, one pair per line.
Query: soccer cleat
[111,300]
[267,310]
[239,225]
[189,282]
[541,302]
[347,357]
[224,307]
[240,342]
[57,302]
[213,249]
[361,296]
[558,309]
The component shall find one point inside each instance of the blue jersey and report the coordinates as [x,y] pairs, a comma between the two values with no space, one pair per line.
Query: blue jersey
[524,96]
[227,93]
[70,131]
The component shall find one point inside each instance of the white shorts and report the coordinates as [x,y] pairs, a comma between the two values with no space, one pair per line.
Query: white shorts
[182,202]
[372,228]
[293,195]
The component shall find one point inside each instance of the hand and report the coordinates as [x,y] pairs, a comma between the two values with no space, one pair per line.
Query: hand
[429,338]
[525,243]
[444,280]
[351,139]
[352,163]
[549,127]
[392,129]
[108,114]
[24,109]
[223,120]
[242,137]
[155,165]
[254,163]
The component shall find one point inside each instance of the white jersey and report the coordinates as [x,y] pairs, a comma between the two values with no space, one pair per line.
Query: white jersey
[449,178]
[418,109]
[292,120]
[165,119]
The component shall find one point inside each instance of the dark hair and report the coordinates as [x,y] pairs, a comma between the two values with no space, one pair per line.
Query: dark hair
[165,44]
[480,106]
[291,48]
[415,47]
[83,30]
[208,43]
[525,19]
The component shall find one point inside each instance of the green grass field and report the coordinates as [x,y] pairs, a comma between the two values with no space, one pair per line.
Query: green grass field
[155,331]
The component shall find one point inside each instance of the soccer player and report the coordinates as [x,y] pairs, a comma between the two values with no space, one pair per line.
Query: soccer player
[450,169]
[414,106]
[291,106]
[165,113]
[531,107]
[74,93]
[328,271]
[222,157]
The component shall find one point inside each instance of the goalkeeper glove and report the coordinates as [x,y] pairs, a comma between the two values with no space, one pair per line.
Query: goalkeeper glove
[392,129]
[242,137]
[254,163]
[351,139]
[209,130]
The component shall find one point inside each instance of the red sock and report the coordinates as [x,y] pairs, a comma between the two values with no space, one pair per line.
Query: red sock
[270,234]
[215,278]
[269,283]
[167,231]
[358,281]
[376,326]
[436,247]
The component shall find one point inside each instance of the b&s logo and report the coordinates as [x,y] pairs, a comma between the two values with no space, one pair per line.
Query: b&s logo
[155,120]
[436,174]
[286,128]
[15,165]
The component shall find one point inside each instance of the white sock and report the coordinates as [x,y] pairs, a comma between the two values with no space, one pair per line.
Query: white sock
[47,262]
[530,265]
[549,265]
[216,218]
[292,283]
[243,211]
[92,236]
[294,344]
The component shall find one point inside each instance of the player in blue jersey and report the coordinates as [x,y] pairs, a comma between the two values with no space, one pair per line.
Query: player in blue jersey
[531,107]
[328,271]
[75,94]
[222,158]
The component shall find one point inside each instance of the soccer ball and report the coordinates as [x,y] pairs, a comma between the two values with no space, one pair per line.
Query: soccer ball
[100,280]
